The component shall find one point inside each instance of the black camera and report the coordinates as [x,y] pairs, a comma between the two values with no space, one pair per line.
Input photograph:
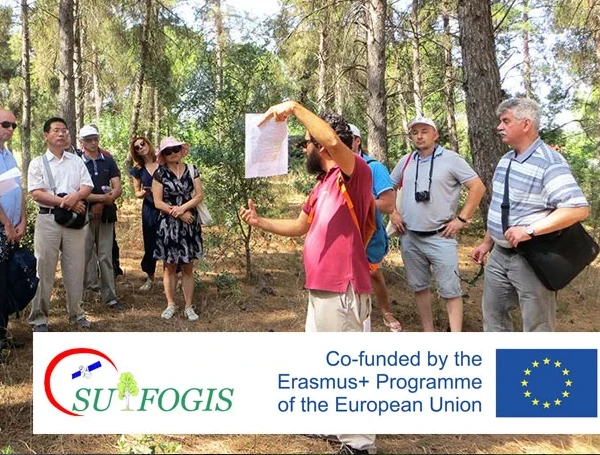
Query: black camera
[422,196]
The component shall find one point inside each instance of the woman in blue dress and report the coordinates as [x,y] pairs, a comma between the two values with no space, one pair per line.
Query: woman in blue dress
[177,191]
[143,155]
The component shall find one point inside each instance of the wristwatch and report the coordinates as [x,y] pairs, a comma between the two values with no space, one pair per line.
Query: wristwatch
[529,230]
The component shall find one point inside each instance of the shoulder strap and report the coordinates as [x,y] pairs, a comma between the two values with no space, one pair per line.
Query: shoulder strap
[371,227]
[49,173]
[410,157]
[190,167]
[505,206]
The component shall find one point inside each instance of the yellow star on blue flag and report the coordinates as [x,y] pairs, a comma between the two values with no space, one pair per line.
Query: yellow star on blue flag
[562,383]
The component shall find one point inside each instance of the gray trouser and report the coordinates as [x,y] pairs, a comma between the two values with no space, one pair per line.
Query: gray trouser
[99,240]
[509,281]
[50,238]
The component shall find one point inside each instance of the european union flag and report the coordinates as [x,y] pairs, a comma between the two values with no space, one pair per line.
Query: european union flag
[546,383]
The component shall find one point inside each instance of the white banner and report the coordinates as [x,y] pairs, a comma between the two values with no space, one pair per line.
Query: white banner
[315,383]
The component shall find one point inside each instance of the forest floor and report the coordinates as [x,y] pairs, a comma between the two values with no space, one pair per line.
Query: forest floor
[226,302]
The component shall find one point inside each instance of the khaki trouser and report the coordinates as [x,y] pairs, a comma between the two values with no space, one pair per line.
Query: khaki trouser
[49,239]
[99,240]
[341,312]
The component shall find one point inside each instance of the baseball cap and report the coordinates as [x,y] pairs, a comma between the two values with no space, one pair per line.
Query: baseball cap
[87,131]
[422,121]
[354,129]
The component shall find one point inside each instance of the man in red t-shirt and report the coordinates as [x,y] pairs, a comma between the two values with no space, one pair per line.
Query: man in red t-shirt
[336,218]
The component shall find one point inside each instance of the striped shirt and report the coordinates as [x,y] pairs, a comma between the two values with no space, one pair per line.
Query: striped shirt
[540,181]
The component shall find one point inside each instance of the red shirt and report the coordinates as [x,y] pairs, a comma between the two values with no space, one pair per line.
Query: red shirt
[334,252]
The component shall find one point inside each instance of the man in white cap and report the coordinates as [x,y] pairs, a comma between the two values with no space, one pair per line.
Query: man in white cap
[432,178]
[103,213]
[383,192]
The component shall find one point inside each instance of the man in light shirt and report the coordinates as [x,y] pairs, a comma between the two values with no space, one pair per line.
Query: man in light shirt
[72,178]
[13,219]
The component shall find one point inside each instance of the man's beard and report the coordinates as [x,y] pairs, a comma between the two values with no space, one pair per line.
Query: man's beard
[313,164]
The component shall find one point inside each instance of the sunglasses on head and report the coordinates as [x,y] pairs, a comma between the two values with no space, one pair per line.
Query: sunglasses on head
[170,150]
[139,145]
[8,125]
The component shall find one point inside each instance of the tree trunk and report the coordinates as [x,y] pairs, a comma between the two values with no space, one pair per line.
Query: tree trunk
[322,89]
[338,92]
[66,94]
[376,93]
[141,74]
[482,89]
[416,54]
[402,104]
[526,55]
[449,79]
[595,18]
[156,117]
[78,66]
[26,74]
[96,82]
[220,49]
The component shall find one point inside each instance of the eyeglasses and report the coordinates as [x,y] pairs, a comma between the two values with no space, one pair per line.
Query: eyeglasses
[139,145]
[7,125]
[304,143]
[170,150]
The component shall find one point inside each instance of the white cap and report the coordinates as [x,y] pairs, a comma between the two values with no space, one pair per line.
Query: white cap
[422,121]
[354,129]
[87,131]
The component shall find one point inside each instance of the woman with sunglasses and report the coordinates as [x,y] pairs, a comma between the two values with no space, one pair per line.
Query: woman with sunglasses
[177,191]
[143,155]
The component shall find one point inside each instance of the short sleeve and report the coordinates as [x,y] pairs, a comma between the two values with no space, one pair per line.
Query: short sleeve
[114,169]
[85,179]
[460,169]
[396,174]
[35,175]
[136,172]
[381,178]
[159,174]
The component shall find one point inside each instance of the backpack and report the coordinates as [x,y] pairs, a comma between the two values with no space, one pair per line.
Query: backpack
[22,279]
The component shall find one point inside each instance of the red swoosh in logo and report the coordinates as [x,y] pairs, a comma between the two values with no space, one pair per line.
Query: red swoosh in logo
[52,365]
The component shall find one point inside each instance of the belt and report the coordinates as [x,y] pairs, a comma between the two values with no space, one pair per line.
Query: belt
[46,211]
[428,233]
[506,250]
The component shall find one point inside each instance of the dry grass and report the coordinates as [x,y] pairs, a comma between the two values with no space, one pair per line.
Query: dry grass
[226,303]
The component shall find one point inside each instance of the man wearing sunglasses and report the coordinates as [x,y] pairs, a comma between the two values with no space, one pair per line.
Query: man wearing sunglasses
[103,214]
[13,218]
[432,178]
[335,218]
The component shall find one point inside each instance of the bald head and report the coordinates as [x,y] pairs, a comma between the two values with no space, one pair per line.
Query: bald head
[8,123]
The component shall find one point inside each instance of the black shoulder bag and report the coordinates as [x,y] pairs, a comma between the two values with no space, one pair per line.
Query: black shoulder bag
[557,257]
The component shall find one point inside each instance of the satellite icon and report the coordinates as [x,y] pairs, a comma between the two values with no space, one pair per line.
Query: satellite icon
[86,371]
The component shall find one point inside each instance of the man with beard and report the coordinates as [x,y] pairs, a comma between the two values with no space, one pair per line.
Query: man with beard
[338,218]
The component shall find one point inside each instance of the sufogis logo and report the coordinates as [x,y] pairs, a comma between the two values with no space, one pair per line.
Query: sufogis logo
[165,400]
[96,389]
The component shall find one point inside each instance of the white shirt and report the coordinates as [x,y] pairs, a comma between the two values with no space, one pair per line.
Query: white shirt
[69,173]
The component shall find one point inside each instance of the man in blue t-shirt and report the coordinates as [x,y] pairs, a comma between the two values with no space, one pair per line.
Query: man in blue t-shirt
[383,192]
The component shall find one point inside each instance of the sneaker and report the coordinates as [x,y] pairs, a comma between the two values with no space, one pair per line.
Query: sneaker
[83,323]
[116,306]
[40,328]
[190,314]
[147,285]
[169,312]
[348,450]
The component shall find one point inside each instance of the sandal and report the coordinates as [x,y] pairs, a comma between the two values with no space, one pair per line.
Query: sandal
[394,326]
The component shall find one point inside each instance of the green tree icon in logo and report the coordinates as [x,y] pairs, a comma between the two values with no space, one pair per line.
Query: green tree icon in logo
[127,388]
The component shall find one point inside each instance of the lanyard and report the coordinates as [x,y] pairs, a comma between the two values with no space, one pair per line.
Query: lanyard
[430,172]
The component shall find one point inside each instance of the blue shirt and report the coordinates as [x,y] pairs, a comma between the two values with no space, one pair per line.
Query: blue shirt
[540,181]
[379,244]
[11,201]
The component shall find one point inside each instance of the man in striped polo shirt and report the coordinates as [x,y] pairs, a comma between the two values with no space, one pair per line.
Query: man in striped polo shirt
[544,197]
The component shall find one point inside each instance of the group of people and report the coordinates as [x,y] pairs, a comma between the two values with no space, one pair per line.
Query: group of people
[337,219]
[346,240]
[75,191]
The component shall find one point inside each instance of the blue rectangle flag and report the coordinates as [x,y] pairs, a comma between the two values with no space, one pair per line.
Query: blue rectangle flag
[546,383]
